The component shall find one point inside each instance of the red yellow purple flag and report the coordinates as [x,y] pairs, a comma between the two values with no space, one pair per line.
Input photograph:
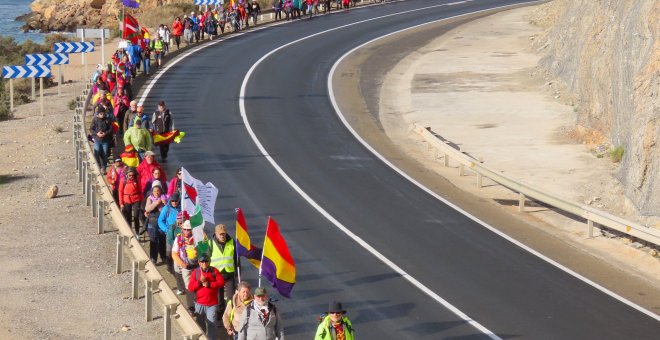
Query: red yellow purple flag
[277,264]
[243,245]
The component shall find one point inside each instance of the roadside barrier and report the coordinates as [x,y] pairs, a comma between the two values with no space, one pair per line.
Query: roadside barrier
[593,217]
[99,198]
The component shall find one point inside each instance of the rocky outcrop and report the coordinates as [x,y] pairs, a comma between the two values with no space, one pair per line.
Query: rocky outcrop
[607,54]
[67,15]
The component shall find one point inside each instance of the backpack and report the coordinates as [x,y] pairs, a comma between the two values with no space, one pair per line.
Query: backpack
[247,317]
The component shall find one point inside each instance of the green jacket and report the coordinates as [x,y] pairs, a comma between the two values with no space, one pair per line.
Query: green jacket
[139,138]
[326,331]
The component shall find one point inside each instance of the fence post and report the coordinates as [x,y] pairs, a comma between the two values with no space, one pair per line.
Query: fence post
[137,266]
[521,202]
[446,160]
[83,177]
[590,225]
[461,170]
[101,214]
[480,180]
[76,145]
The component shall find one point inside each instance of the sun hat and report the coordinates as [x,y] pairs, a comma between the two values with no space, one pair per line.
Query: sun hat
[335,307]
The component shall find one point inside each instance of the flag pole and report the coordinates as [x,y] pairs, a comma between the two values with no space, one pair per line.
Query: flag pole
[183,191]
[262,252]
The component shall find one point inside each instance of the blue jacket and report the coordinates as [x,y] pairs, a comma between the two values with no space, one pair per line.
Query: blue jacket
[167,217]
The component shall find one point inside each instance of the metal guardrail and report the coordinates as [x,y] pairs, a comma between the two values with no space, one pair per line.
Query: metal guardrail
[99,198]
[591,215]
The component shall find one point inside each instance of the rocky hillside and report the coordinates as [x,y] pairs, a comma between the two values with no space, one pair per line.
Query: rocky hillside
[606,53]
[67,15]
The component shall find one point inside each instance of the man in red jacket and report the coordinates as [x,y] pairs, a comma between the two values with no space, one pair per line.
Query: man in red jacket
[205,282]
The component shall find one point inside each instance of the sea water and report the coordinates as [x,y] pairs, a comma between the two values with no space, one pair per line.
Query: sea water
[9,26]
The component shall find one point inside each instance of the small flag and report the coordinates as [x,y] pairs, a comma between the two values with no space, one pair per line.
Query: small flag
[129,157]
[277,264]
[132,3]
[115,127]
[243,245]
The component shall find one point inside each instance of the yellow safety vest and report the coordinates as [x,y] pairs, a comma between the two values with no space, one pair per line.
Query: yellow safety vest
[223,259]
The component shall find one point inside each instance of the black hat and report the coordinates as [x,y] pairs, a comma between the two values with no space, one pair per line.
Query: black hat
[335,307]
[203,258]
[175,197]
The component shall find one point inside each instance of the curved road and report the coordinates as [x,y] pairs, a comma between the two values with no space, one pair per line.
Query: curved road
[501,286]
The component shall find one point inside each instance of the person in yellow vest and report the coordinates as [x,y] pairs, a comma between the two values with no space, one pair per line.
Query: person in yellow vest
[335,326]
[231,317]
[158,47]
[224,258]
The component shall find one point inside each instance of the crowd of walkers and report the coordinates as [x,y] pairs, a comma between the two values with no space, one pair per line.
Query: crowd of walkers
[151,201]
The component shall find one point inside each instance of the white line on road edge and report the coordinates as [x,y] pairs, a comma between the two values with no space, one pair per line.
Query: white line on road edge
[430,192]
[322,211]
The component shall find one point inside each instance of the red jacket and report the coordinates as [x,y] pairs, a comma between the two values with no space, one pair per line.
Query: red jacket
[145,171]
[206,296]
[177,28]
[129,192]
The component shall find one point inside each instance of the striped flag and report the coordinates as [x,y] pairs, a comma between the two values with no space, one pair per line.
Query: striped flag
[168,137]
[129,157]
[243,245]
[277,264]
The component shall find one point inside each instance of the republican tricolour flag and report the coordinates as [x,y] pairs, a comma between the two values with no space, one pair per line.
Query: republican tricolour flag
[277,264]
[244,246]
[132,3]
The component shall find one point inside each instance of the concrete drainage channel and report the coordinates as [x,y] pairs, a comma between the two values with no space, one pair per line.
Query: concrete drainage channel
[99,198]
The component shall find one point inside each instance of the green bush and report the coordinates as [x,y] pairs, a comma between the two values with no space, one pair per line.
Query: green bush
[616,154]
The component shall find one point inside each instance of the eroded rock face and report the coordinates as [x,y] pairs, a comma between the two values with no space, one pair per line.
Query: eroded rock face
[67,15]
[607,53]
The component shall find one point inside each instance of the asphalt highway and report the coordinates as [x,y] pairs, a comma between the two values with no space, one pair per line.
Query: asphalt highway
[499,285]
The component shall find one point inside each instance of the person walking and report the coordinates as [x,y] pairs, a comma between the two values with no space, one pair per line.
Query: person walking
[114,175]
[335,326]
[225,259]
[162,122]
[156,201]
[277,7]
[139,138]
[204,282]
[184,254]
[231,318]
[158,47]
[129,117]
[260,320]
[255,11]
[101,129]
[129,199]
[177,31]
[175,183]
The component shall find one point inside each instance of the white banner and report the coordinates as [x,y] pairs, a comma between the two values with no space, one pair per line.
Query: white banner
[196,192]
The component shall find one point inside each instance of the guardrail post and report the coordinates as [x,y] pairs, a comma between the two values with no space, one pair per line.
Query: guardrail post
[480,180]
[84,177]
[446,160]
[149,291]
[137,266]
[461,170]
[94,201]
[100,214]
[121,241]
[521,202]
[80,166]
[590,225]
[167,320]
[88,198]
[76,145]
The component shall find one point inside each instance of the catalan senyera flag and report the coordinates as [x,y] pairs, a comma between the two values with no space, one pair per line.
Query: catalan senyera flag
[132,3]
[129,157]
[168,137]
[277,264]
[243,245]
